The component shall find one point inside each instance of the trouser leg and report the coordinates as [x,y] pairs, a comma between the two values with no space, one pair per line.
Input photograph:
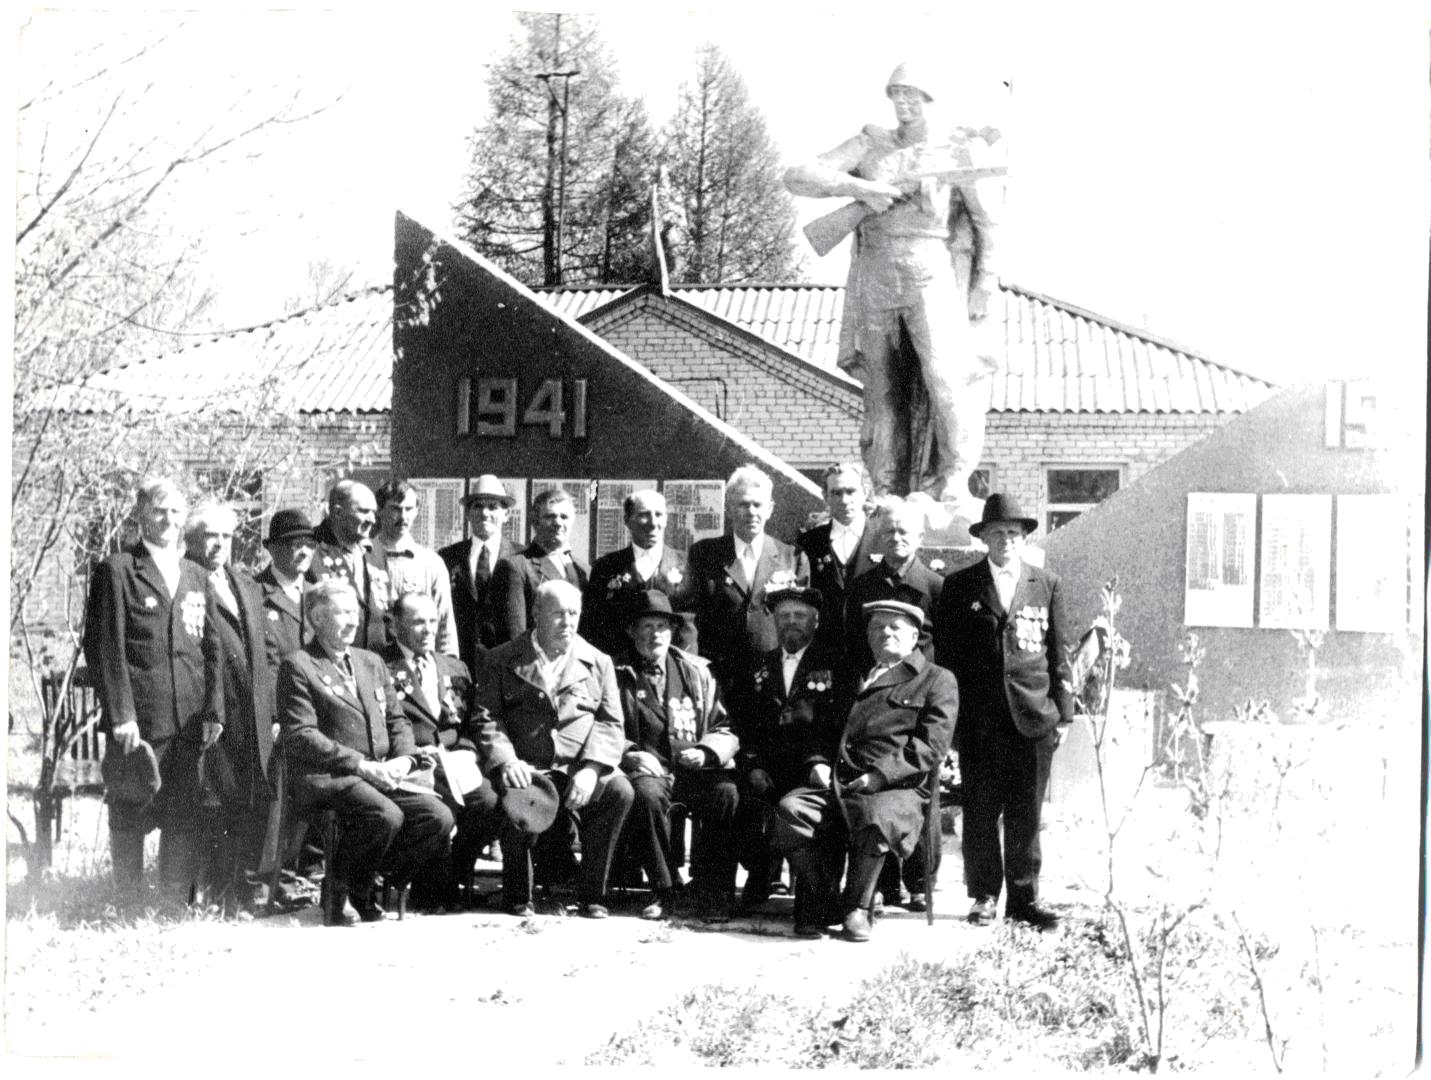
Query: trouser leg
[983,803]
[479,822]
[868,853]
[806,833]
[1028,782]
[421,842]
[879,433]
[754,829]
[912,868]
[714,801]
[648,828]
[956,381]
[600,821]
[126,844]
[368,823]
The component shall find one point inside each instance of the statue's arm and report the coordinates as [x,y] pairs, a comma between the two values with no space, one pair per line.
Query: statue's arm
[832,174]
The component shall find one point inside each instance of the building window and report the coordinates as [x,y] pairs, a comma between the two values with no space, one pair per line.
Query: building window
[241,489]
[1074,489]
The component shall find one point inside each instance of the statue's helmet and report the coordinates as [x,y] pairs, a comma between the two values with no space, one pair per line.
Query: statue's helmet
[907,74]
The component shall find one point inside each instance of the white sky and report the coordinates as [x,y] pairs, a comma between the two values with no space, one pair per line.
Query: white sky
[1248,180]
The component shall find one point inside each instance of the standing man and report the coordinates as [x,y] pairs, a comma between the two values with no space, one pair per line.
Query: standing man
[152,651]
[619,578]
[872,801]
[470,564]
[344,537]
[1000,627]
[240,769]
[410,567]
[898,575]
[548,717]
[351,747]
[923,269]
[839,551]
[731,575]
[290,547]
[547,558]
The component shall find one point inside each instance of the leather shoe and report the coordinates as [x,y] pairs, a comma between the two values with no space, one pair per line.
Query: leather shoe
[857,926]
[917,902]
[369,910]
[809,929]
[984,911]
[1037,917]
[593,911]
[752,896]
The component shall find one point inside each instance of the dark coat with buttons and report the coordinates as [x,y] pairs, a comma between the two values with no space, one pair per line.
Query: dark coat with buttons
[784,734]
[434,723]
[250,694]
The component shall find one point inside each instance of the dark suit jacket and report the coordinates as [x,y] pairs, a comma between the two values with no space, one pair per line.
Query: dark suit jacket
[833,577]
[613,587]
[648,721]
[785,734]
[919,586]
[327,728]
[1009,663]
[899,728]
[472,607]
[285,626]
[731,619]
[514,588]
[442,722]
[370,583]
[250,692]
[515,718]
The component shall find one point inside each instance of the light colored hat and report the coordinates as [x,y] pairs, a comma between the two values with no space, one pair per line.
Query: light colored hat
[895,607]
[907,74]
[488,487]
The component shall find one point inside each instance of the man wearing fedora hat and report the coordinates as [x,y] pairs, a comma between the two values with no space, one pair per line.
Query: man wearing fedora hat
[469,567]
[679,749]
[290,546]
[870,800]
[1000,627]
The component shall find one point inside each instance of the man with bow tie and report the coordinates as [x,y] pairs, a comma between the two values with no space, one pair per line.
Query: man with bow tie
[679,749]
[343,539]
[1000,627]
[410,567]
[290,547]
[839,550]
[470,564]
[620,577]
[547,558]
[870,801]
[790,722]
[434,691]
[239,770]
[153,653]
[731,574]
[351,748]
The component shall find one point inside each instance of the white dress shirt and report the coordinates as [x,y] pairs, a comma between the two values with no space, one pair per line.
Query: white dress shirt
[426,669]
[647,560]
[167,559]
[549,667]
[474,557]
[1006,580]
[789,662]
[845,538]
[749,555]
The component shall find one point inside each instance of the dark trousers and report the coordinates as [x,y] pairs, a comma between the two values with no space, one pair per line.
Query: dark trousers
[910,871]
[810,831]
[1005,774]
[709,797]
[175,811]
[599,826]
[399,833]
[235,851]
[479,822]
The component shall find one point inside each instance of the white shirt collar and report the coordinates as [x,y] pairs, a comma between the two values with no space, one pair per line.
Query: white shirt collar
[855,528]
[286,583]
[164,556]
[754,546]
[787,657]
[1013,567]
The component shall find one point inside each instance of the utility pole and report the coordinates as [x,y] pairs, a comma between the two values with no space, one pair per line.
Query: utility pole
[554,189]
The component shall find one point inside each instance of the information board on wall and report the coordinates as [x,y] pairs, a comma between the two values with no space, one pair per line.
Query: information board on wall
[695,510]
[1372,571]
[1218,583]
[1295,591]
[439,513]
[611,497]
[581,492]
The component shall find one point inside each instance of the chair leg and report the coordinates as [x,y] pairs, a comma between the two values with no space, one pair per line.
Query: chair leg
[330,896]
[932,843]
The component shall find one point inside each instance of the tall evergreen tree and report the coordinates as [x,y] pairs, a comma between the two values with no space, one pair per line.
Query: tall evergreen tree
[557,192]
[725,171]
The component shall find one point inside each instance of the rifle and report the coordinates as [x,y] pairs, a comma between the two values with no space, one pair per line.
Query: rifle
[827,231]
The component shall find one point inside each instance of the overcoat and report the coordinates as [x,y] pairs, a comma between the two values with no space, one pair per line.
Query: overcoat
[472,606]
[250,693]
[690,686]
[731,620]
[285,626]
[614,584]
[514,587]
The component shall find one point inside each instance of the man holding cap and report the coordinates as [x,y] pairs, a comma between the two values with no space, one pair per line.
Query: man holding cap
[871,800]
[1000,627]
[469,566]
[290,547]
[679,749]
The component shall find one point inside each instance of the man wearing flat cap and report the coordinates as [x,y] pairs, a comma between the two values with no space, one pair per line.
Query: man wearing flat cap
[1000,627]
[469,567]
[870,801]
[290,547]
[790,721]
[898,574]
[679,749]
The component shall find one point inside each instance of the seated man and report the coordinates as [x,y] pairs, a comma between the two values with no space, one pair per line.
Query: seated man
[548,715]
[434,692]
[790,720]
[873,801]
[679,749]
[350,746]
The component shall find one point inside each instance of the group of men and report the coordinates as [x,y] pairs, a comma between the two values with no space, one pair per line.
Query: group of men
[795,701]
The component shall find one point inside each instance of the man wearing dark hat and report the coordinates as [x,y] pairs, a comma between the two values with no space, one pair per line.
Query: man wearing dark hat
[679,749]
[790,721]
[1000,628]
[290,547]
[344,538]
[469,567]
[547,558]
[548,725]
[871,800]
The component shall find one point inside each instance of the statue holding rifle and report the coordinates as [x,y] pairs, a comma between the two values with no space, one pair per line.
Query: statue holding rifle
[921,280]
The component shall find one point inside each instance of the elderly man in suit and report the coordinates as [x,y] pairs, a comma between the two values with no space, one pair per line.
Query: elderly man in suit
[434,691]
[152,650]
[679,749]
[239,760]
[840,550]
[619,578]
[547,558]
[1000,626]
[898,574]
[872,800]
[731,574]
[409,566]
[470,564]
[790,722]
[290,547]
[343,539]
[548,714]
[352,748]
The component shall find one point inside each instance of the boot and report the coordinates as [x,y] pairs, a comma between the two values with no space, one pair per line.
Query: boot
[814,891]
[865,863]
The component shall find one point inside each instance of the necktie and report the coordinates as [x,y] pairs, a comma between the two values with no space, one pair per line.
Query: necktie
[484,561]
[345,668]
[427,680]
[747,563]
